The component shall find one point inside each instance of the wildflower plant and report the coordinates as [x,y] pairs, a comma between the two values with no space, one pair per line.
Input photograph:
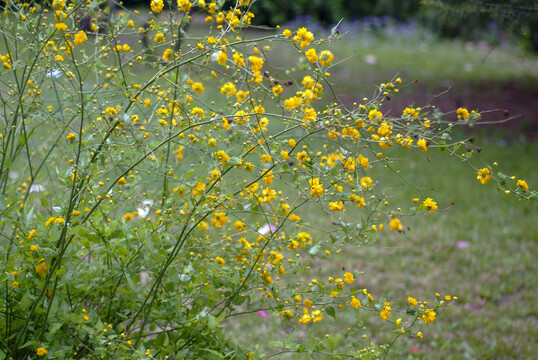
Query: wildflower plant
[155,184]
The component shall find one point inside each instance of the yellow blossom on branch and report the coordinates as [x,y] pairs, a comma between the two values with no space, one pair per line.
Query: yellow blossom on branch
[484,175]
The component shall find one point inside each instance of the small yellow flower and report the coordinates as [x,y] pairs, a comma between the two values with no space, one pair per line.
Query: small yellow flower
[220,261]
[326,57]
[157,6]
[396,224]
[41,351]
[484,175]
[355,302]
[385,312]
[462,113]
[429,316]
[316,189]
[522,184]
[430,205]
[222,58]
[311,55]
[159,38]
[80,38]
[42,268]
[336,206]
[423,144]
[412,301]
[198,87]
[70,137]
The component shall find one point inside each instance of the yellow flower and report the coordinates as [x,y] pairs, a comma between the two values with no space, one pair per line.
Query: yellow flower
[222,157]
[121,181]
[242,95]
[430,205]
[286,314]
[462,113]
[256,63]
[305,319]
[304,37]
[348,278]
[168,55]
[523,185]
[61,26]
[428,316]
[316,189]
[317,316]
[419,335]
[111,111]
[366,182]
[336,206]
[219,219]
[157,6]
[396,224]
[385,312]
[159,38]
[374,115]
[266,158]
[70,137]
[326,57]
[228,89]
[41,351]
[287,33]
[42,268]
[423,144]
[311,55]
[34,248]
[484,175]
[268,195]
[412,301]
[80,37]
[198,189]
[128,217]
[277,89]
[410,112]
[221,58]
[238,59]
[198,87]
[220,261]
[197,112]
[308,303]
[355,302]
[184,5]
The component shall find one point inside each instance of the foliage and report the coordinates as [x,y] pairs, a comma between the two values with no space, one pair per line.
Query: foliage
[138,213]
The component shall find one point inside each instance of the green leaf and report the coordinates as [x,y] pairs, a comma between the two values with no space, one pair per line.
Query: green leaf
[331,312]
[214,352]
[29,219]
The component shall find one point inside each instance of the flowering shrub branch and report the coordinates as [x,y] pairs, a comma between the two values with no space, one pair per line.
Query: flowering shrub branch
[156,184]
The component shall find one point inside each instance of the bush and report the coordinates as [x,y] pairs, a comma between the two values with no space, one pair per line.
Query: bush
[155,184]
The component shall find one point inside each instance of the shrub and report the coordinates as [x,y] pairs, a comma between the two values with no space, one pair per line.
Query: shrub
[155,183]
